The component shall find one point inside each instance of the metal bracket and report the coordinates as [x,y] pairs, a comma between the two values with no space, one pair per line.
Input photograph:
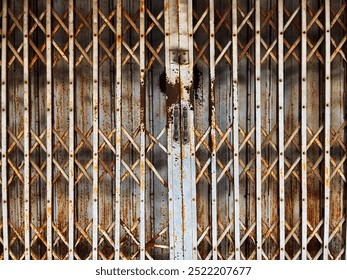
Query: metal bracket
[179,56]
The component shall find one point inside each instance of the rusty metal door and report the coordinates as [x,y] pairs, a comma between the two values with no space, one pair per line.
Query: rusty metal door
[174,129]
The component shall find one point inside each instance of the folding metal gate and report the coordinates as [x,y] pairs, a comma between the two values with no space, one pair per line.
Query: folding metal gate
[175,129]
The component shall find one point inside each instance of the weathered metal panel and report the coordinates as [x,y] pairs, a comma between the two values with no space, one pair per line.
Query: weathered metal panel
[207,129]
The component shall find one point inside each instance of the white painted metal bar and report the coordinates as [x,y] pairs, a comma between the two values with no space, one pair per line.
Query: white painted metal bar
[142,132]
[118,126]
[234,115]
[303,131]
[258,132]
[327,87]
[213,133]
[4,178]
[191,137]
[95,129]
[49,126]
[185,12]
[174,149]
[26,130]
[71,130]
[281,129]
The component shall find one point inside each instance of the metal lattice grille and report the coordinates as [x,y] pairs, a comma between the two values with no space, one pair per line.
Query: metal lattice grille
[182,129]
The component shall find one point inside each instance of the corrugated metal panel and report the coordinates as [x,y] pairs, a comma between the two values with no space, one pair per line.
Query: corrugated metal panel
[177,129]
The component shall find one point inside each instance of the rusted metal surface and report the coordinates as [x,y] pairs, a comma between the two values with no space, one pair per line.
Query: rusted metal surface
[178,129]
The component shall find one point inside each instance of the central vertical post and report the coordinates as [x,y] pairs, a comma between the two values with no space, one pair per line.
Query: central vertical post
[180,129]
[185,13]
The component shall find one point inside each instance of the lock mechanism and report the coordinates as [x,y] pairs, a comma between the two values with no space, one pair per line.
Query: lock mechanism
[179,56]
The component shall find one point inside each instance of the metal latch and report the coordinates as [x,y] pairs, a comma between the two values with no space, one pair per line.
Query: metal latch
[179,56]
[185,125]
[175,121]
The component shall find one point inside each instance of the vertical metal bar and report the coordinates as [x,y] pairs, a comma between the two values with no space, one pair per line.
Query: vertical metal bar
[174,150]
[118,125]
[303,132]
[71,129]
[142,132]
[185,12]
[258,131]
[49,125]
[4,130]
[26,131]
[281,128]
[213,132]
[327,131]
[191,128]
[234,111]
[95,129]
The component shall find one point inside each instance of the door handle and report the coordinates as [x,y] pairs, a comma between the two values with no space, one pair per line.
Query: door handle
[185,125]
[175,121]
